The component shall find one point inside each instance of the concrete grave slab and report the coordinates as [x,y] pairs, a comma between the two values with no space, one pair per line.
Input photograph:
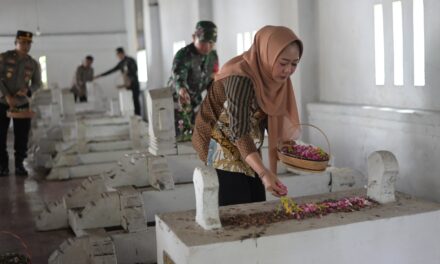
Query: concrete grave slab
[404,231]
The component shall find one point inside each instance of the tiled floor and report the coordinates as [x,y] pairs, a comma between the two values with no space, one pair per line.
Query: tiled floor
[21,198]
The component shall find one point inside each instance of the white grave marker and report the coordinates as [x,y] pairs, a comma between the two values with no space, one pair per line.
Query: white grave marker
[382,173]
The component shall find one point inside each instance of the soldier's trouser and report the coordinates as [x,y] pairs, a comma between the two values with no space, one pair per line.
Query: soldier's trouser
[135,90]
[21,136]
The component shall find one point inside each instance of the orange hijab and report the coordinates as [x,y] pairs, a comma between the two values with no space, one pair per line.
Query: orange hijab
[276,99]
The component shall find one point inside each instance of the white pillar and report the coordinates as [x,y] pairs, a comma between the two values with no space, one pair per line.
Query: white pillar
[130,26]
[153,45]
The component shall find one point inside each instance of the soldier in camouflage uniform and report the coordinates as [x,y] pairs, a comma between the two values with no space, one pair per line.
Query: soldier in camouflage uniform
[20,75]
[193,71]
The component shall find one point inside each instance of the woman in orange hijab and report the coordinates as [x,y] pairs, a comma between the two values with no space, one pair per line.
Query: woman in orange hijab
[251,93]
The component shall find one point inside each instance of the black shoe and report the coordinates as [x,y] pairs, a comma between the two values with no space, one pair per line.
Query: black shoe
[20,171]
[4,171]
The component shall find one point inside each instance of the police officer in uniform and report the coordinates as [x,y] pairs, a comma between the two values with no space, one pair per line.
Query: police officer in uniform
[128,68]
[83,74]
[20,76]
[193,70]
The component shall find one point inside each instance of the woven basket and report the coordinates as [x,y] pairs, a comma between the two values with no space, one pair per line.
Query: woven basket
[23,256]
[28,113]
[304,163]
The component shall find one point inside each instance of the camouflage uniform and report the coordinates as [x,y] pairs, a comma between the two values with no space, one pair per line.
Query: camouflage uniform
[193,72]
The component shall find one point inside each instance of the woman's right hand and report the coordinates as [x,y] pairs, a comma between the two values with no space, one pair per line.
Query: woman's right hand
[273,184]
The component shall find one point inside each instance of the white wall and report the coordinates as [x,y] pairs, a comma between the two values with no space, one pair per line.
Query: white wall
[70,30]
[177,21]
[345,71]
[178,18]
[234,17]
[414,138]
[346,55]
[307,91]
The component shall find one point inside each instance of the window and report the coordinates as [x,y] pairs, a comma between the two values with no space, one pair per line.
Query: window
[244,41]
[247,41]
[379,45]
[178,45]
[419,43]
[141,58]
[240,43]
[398,42]
[43,65]
[398,51]
[253,34]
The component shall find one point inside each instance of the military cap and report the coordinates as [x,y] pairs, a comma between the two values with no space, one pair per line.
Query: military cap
[24,35]
[206,31]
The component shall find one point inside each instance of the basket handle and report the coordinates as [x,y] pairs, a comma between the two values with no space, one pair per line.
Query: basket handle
[320,130]
[28,254]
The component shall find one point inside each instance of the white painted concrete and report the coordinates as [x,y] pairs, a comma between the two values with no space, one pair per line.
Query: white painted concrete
[182,166]
[90,194]
[177,22]
[94,213]
[137,247]
[206,190]
[404,232]
[346,55]
[413,136]
[133,169]
[71,160]
[234,17]
[153,44]
[69,31]
[161,130]
[382,175]
[64,173]
[159,174]
[71,251]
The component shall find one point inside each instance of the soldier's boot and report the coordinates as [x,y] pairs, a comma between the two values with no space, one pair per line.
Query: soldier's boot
[19,169]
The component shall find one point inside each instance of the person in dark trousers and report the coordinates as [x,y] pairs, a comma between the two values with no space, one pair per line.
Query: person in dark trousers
[20,76]
[83,74]
[128,68]
[251,95]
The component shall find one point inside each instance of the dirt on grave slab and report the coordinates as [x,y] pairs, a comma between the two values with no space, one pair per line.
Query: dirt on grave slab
[244,225]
